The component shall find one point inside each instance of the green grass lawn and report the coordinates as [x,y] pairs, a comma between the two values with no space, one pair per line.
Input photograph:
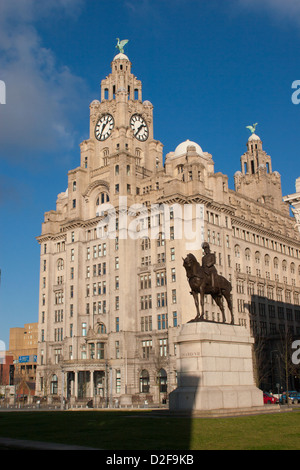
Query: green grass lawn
[146,430]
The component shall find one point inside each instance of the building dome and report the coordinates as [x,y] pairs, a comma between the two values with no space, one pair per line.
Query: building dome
[121,56]
[181,149]
[95,103]
[253,137]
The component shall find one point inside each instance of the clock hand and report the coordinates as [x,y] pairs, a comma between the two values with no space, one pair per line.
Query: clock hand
[103,127]
[142,125]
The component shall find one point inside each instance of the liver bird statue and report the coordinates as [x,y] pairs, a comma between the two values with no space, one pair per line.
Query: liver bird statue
[120,45]
[252,128]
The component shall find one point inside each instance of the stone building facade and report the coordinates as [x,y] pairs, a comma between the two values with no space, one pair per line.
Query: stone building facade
[113,291]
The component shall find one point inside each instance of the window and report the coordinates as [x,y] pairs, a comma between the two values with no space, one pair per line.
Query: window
[240,286]
[60,264]
[146,323]
[101,329]
[117,324]
[162,321]
[118,381]
[162,299]
[83,329]
[145,281]
[144,382]
[83,351]
[146,348]
[58,334]
[161,278]
[92,351]
[54,385]
[163,343]
[161,239]
[117,349]
[100,350]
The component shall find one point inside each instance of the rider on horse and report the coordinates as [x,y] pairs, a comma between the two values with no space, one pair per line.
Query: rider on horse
[208,264]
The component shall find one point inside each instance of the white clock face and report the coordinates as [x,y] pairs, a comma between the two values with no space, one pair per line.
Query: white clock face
[104,127]
[139,127]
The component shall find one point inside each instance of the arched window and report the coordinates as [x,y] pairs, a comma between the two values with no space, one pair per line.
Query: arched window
[276,262]
[237,251]
[101,329]
[162,381]
[247,254]
[60,264]
[267,260]
[284,265]
[257,257]
[144,381]
[293,269]
[102,198]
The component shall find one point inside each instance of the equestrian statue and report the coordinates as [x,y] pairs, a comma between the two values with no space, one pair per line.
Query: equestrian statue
[206,280]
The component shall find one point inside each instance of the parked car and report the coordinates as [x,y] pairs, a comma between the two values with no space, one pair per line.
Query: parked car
[294,397]
[269,399]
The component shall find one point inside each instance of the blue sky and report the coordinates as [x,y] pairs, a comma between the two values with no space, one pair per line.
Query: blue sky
[209,67]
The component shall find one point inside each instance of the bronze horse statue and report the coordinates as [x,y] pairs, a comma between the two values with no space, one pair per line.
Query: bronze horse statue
[201,284]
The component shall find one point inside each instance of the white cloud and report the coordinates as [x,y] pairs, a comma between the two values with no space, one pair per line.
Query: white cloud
[281,10]
[40,93]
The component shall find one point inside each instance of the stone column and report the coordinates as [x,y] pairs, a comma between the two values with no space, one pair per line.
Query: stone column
[92,384]
[76,384]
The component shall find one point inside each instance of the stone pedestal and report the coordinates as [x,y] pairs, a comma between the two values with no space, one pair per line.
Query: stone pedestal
[214,369]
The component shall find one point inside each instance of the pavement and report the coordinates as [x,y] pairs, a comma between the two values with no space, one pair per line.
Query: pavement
[7,443]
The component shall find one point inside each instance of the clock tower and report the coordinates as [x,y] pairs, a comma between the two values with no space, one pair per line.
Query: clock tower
[121,144]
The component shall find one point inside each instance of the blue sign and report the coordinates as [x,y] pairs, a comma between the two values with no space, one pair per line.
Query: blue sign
[24,359]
